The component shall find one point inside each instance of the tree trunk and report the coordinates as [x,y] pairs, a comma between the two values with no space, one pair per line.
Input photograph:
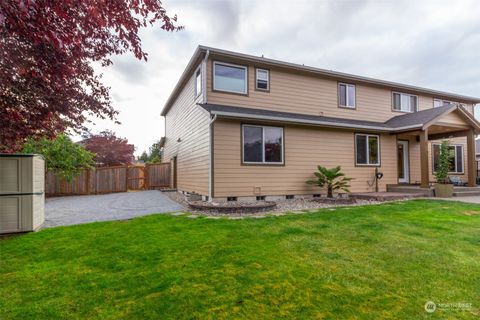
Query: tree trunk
[329,192]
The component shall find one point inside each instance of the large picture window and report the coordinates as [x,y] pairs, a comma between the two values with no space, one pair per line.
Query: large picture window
[367,149]
[229,77]
[456,159]
[404,102]
[262,144]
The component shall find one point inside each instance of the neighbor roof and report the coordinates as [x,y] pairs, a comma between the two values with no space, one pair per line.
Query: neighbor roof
[408,121]
[202,50]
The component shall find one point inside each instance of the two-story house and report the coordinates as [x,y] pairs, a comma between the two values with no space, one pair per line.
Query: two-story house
[245,127]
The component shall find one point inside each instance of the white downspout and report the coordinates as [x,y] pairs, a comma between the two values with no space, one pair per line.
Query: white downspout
[210,160]
[210,125]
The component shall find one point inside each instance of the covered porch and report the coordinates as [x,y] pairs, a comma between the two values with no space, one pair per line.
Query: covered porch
[419,155]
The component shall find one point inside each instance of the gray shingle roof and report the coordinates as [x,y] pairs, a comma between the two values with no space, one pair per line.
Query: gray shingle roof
[410,121]
[289,117]
[417,118]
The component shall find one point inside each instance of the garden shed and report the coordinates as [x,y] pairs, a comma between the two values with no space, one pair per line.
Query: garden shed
[22,196]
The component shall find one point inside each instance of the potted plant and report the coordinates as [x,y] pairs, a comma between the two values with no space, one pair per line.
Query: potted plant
[333,179]
[443,187]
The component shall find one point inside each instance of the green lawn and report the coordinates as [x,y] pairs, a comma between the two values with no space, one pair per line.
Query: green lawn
[370,262]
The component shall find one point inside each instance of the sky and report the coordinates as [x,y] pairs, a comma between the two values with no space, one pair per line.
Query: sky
[433,44]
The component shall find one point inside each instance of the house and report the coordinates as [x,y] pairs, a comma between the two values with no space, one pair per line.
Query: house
[245,127]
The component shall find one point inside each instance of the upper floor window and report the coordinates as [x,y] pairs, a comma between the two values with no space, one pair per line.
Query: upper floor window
[198,82]
[367,149]
[440,102]
[230,78]
[404,102]
[455,161]
[346,95]
[262,79]
[262,144]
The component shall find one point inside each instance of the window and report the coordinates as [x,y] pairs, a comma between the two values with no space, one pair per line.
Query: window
[346,95]
[198,82]
[262,79]
[229,78]
[367,149]
[404,102]
[440,102]
[262,144]
[456,159]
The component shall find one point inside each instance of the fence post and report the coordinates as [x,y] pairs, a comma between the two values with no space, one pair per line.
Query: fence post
[126,178]
[87,189]
[146,176]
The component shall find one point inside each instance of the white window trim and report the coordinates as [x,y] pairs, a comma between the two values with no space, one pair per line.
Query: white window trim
[403,93]
[368,164]
[245,89]
[263,145]
[456,169]
[198,92]
[442,101]
[256,79]
[346,95]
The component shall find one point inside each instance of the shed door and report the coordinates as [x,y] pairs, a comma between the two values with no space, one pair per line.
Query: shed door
[9,214]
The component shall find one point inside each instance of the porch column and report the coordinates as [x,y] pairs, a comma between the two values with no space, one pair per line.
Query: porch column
[424,183]
[471,163]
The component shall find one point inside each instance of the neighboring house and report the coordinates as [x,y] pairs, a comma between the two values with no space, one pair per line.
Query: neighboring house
[242,126]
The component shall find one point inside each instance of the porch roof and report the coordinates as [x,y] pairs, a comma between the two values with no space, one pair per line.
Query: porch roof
[401,123]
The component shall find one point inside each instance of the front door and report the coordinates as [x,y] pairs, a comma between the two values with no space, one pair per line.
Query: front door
[403,163]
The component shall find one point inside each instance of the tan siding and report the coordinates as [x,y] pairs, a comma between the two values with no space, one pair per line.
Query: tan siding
[189,123]
[308,94]
[305,148]
[453,118]
[415,159]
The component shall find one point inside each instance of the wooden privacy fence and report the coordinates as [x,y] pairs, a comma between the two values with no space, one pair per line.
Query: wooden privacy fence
[110,179]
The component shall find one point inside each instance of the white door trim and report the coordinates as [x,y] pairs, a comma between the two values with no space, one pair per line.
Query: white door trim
[406,162]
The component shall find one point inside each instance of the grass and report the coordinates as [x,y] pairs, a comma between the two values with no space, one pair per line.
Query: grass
[370,262]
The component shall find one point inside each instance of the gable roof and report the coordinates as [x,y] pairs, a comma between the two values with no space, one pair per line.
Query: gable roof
[201,51]
[404,122]
[418,118]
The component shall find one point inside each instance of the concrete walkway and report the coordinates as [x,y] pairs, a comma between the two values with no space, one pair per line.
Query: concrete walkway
[64,211]
[468,199]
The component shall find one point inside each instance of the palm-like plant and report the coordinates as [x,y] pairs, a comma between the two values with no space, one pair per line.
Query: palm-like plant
[333,179]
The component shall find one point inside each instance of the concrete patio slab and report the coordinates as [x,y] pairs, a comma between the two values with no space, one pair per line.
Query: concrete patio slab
[63,211]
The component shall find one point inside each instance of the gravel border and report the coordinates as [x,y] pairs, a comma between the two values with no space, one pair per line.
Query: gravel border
[296,206]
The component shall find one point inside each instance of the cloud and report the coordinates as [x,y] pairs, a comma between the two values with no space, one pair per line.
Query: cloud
[434,44]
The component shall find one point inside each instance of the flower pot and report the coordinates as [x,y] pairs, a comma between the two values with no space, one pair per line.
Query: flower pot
[443,190]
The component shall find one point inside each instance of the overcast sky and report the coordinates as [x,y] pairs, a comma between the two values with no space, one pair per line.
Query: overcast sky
[434,44]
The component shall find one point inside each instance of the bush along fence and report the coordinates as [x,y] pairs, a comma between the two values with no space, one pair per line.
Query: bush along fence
[104,180]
